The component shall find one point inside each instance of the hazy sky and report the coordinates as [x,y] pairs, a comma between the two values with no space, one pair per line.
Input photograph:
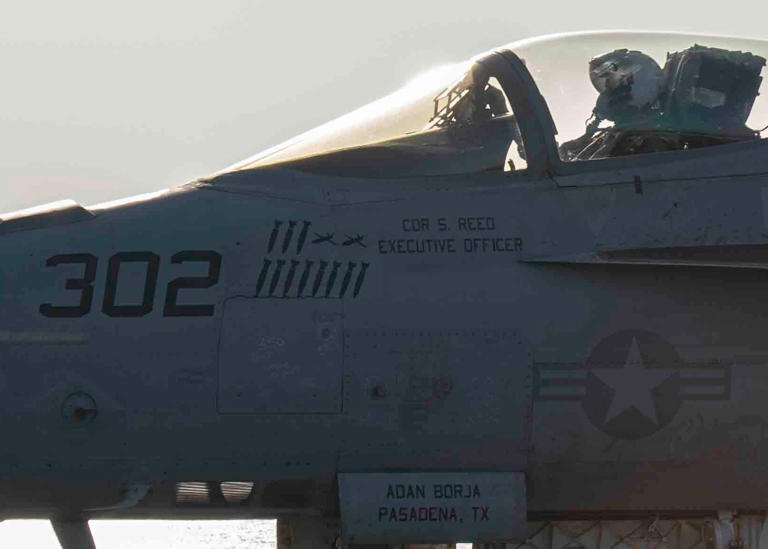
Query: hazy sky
[103,99]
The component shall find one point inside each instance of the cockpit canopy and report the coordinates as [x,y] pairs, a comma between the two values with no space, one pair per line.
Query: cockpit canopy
[609,94]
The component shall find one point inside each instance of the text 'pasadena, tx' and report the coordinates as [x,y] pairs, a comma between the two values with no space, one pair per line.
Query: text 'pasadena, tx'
[400,493]
[428,506]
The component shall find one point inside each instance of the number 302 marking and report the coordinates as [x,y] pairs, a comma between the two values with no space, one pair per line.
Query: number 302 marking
[152,261]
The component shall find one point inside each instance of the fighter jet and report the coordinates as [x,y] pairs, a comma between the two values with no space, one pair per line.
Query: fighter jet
[520,300]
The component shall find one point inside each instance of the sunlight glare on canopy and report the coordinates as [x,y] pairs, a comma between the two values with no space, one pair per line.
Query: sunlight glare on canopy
[387,109]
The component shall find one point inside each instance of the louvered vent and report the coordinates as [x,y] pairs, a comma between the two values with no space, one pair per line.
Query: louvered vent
[213,493]
[192,492]
[236,492]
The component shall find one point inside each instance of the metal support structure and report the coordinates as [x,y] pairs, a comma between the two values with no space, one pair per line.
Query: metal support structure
[301,532]
[402,546]
[726,531]
[73,534]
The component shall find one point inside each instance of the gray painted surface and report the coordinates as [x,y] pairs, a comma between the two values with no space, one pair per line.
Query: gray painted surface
[598,328]
[280,357]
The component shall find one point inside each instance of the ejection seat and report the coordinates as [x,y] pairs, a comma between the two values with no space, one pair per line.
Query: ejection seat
[707,96]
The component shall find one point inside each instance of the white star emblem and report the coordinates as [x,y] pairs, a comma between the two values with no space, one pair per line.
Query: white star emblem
[632,385]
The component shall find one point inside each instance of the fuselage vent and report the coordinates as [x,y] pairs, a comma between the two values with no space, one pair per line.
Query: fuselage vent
[192,493]
[236,492]
[213,493]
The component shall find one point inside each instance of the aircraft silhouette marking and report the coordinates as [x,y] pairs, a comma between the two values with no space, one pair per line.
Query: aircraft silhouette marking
[322,238]
[352,240]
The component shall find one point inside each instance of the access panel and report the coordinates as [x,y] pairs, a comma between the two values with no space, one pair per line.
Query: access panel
[280,357]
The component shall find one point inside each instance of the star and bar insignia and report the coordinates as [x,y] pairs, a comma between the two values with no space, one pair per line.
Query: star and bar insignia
[632,384]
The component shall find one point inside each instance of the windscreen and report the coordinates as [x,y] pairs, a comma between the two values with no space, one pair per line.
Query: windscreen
[403,112]
[622,93]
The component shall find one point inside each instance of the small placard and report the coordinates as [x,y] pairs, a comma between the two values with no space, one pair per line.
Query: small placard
[432,507]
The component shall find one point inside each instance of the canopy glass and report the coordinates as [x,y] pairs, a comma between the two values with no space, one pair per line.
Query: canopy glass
[609,93]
